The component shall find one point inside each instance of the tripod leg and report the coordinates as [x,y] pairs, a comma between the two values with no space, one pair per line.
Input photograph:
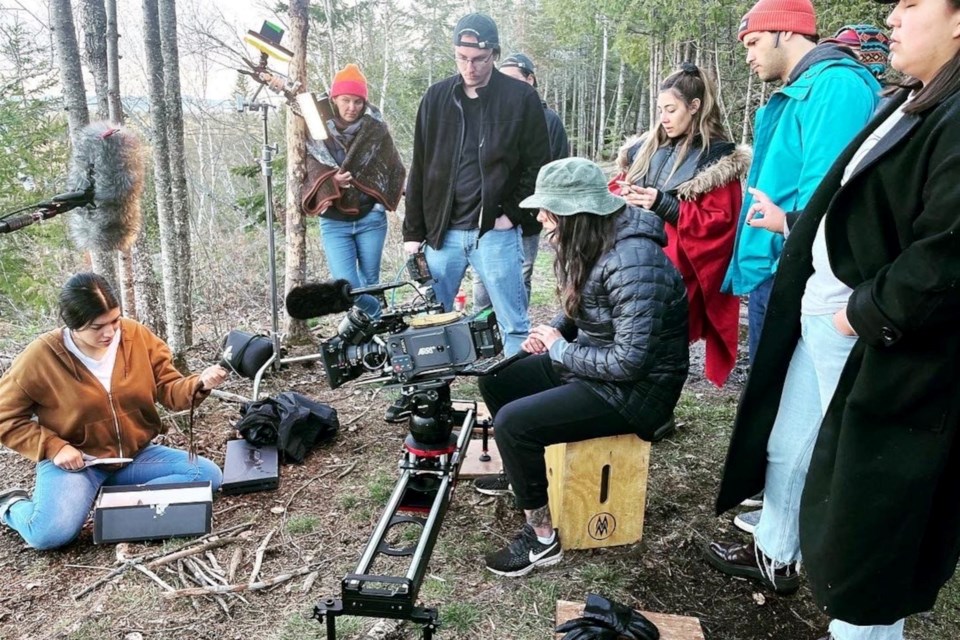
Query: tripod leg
[484,454]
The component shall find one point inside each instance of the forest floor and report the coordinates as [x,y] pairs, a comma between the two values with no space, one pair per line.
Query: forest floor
[325,510]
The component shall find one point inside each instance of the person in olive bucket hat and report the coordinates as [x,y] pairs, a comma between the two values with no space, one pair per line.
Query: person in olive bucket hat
[612,362]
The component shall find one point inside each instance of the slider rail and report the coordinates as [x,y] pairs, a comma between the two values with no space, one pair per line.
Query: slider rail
[378,596]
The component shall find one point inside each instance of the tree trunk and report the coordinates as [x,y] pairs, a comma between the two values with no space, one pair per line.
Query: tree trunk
[94,21]
[296,231]
[179,196]
[95,50]
[746,111]
[176,334]
[68,59]
[617,134]
[602,95]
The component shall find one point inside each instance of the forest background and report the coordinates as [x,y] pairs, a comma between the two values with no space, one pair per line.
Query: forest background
[199,269]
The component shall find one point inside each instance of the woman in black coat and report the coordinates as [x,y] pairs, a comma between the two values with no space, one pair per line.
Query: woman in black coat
[612,363]
[879,519]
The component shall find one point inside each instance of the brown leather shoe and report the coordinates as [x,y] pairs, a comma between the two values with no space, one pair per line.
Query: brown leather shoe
[740,560]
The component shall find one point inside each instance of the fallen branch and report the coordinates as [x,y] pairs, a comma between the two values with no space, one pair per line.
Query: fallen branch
[183,553]
[229,397]
[234,564]
[308,583]
[243,586]
[150,574]
[309,482]
[262,549]
[348,470]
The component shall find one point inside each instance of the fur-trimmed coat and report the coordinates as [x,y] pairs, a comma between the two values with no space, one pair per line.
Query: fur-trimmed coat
[700,213]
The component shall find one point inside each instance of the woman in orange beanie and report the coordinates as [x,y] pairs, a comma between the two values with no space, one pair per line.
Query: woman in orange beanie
[353,178]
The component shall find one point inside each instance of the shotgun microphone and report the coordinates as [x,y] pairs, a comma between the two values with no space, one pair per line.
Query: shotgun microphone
[317,299]
[106,173]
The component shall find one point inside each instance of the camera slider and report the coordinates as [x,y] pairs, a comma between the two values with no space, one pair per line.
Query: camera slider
[428,474]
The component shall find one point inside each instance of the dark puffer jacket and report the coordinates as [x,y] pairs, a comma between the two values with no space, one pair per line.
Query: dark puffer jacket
[629,339]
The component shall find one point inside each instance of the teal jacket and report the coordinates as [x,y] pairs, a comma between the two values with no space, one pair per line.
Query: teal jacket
[797,136]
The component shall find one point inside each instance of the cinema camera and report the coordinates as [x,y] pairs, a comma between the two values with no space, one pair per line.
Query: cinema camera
[421,349]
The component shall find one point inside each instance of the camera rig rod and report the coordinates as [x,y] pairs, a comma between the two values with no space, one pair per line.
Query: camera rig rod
[380,596]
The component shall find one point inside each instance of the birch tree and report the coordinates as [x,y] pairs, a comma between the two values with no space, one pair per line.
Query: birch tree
[176,154]
[296,231]
[173,309]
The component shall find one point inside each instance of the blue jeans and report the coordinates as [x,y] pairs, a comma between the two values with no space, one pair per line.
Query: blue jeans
[812,378]
[354,251]
[756,310]
[63,499]
[497,258]
[531,245]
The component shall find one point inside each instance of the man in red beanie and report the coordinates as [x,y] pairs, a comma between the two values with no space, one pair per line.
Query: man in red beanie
[826,98]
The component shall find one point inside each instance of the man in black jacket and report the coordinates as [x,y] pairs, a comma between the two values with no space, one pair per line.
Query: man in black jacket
[480,139]
[521,67]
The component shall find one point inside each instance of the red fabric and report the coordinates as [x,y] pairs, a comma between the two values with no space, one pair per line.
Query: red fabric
[613,187]
[700,246]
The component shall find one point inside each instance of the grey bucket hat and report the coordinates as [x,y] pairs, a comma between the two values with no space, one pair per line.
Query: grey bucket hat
[573,185]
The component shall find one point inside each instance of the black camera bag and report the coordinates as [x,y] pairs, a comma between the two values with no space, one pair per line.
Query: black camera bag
[245,353]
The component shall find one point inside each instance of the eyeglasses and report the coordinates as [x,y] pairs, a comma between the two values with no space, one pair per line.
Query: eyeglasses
[476,63]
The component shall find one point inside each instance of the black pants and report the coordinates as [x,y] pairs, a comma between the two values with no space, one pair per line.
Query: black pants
[533,408]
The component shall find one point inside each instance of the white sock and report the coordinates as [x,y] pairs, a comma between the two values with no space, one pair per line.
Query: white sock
[553,536]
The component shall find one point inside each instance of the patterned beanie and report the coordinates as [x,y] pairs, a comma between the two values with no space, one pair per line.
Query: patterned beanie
[780,15]
[349,81]
[869,43]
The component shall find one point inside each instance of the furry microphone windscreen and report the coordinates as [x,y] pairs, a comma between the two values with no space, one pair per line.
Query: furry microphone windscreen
[109,158]
[317,299]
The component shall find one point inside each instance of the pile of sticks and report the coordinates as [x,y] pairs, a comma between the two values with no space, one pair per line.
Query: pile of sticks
[199,571]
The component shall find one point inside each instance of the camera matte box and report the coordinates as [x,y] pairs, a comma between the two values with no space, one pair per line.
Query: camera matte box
[249,468]
[130,513]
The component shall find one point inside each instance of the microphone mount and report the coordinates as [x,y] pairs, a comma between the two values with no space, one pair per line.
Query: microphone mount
[46,209]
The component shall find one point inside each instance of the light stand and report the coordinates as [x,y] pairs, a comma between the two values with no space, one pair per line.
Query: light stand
[267,152]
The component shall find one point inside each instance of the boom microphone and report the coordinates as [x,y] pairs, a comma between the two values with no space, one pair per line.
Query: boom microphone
[107,165]
[319,299]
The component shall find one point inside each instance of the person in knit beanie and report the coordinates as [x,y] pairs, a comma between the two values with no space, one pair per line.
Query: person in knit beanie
[869,43]
[353,178]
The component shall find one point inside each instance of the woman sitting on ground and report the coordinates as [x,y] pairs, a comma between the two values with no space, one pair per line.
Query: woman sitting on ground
[688,173]
[86,391]
[614,360]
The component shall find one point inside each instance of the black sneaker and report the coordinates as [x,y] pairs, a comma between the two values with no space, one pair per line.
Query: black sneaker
[523,554]
[493,485]
[399,410]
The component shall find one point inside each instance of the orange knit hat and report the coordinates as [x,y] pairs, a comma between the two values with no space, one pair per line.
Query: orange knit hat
[349,81]
[780,15]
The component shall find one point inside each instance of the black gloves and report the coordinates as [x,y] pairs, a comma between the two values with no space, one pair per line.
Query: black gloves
[606,620]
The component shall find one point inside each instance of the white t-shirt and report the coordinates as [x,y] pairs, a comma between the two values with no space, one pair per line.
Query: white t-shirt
[102,369]
[825,294]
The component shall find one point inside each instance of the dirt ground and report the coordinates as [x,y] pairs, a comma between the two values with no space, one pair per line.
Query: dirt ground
[324,511]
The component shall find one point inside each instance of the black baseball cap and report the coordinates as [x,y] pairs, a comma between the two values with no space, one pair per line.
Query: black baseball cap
[521,62]
[481,27]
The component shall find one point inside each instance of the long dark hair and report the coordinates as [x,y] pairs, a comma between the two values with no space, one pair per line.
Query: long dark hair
[943,85]
[580,240]
[84,297]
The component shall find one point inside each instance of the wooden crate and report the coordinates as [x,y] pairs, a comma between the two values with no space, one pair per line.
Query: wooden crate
[598,490]
[671,627]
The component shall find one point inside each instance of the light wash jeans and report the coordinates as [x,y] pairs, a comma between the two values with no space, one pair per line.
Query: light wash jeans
[498,259]
[531,245]
[354,250]
[63,499]
[812,378]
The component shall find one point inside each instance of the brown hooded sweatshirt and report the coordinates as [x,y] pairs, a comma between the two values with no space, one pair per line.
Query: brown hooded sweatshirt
[49,399]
